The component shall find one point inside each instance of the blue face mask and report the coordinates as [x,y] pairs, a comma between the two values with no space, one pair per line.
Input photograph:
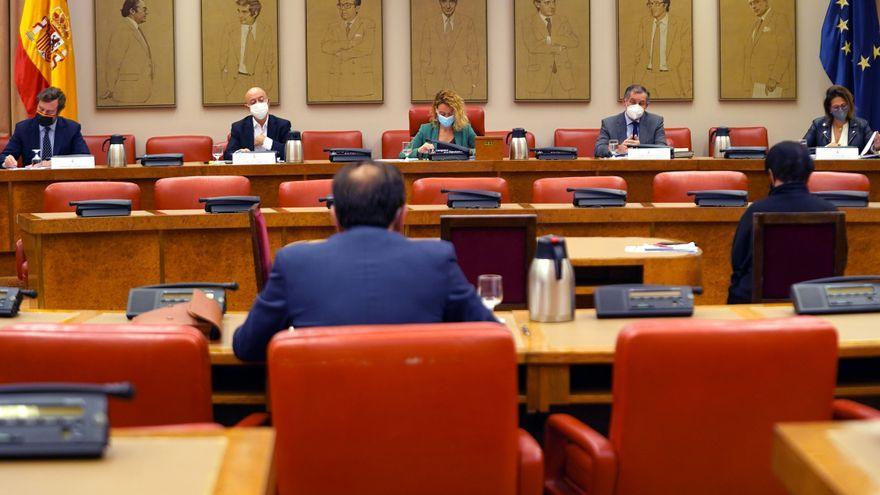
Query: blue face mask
[446,121]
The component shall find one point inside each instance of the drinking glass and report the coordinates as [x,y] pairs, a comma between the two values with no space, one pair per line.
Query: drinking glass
[36,161]
[490,290]
[803,143]
[407,149]
[612,146]
[217,152]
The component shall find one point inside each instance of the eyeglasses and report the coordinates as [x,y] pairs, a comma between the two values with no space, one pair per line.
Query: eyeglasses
[346,5]
[656,3]
[840,107]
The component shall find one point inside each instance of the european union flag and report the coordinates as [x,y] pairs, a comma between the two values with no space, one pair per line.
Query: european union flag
[850,53]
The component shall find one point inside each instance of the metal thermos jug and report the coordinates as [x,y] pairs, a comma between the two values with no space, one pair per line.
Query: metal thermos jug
[551,282]
[721,141]
[516,141]
[293,148]
[116,151]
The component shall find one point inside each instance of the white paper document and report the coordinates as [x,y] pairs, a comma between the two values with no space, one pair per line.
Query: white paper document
[689,247]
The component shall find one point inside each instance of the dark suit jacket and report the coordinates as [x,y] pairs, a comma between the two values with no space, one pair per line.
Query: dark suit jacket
[820,133]
[651,131]
[790,197]
[242,135]
[27,137]
[365,275]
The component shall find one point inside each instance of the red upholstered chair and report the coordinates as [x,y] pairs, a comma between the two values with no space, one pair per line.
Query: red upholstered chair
[304,193]
[582,139]
[679,137]
[260,244]
[838,181]
[194,148]
[168,365]
[183,193]
[553,189]
[392,143]
[530,140]
[420,114]
[694,404]
[433,410]
[742,136]
[427,191]
[4,140]
[672,187]
[95,142]
[314,142]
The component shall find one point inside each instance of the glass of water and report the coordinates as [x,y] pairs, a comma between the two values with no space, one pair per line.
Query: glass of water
[407,149]
[612,146]
[36,161]
[490,290]
[217,151]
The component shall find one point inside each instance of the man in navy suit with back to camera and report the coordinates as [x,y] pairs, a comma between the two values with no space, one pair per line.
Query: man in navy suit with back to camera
[367,273]
[47,131]
[632,127]
[259,131]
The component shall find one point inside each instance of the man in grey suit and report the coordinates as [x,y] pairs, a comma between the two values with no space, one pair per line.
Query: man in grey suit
[632,127]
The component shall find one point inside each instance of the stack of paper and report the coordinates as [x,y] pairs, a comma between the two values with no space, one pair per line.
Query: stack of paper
[689,247]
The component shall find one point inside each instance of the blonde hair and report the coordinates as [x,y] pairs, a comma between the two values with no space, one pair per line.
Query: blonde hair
[455,102]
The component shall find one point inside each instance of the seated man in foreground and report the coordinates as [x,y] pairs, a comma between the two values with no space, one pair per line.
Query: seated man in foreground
[368,273]
[788,167]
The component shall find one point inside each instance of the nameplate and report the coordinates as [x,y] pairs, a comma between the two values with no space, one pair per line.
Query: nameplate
[254,158]
[72,161]
[837,153]
[649,153]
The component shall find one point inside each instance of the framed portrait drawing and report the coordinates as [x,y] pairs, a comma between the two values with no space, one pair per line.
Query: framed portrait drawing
[448,49]
[758,49]
[344,51]
[655,46]
[134,53]
[552,50]
[239,50]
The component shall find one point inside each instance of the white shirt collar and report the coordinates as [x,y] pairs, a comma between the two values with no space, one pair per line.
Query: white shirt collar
[257,125]
[764,17]
[664,21]
[252,27]
[544,17]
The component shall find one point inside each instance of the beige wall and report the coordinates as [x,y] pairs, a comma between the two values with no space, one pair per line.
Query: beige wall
[785,120]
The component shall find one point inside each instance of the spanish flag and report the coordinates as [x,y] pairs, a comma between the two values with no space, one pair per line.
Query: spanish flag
[44,55]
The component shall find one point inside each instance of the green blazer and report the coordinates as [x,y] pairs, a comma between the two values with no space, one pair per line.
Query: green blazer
[465,137]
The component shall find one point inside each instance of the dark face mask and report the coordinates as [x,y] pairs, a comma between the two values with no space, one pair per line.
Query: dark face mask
[45,120]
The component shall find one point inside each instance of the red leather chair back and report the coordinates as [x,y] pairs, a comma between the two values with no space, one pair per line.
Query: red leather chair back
[838,181]
[261,247]
[553,189]
[183,193]
[392,143]
[582,139]
[427,191]
[695,401]
[679,137]
[432,410]
[304,193]
[168,365]
[530,140]
[314,142]
[194,148]
[672,187]
[58,195]
[420,114]
[95,142]
[742,136]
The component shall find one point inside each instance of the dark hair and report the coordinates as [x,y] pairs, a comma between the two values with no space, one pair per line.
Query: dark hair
[790,162]
[254,6]
[665,2]
[367,193]
[832,93]
[51,94]
[636,88]
[128,6]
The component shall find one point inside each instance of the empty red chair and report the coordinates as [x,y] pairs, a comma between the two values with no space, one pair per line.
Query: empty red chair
[679,137]
[427,191]
[582,139]
[420,114]
[694,405]
[672,187]
[838,181]
[392,143]
[304,193]
[314,142]
[433,410]
[168,365]
[183,193]
[553,189]
[95,142]
[194,148]
[742,136]
[58,195]
[530,140]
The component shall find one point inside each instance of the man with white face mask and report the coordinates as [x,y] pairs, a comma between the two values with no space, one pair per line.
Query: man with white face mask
[632,127]
[260,131]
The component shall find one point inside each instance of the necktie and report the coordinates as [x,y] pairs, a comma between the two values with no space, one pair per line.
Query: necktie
[635,130]
[549,34]
[446,25]
[47,145]
[757,30]
[347,29]
[249,51]
[655,47]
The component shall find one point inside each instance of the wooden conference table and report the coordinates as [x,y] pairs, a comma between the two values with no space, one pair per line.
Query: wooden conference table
[22,190]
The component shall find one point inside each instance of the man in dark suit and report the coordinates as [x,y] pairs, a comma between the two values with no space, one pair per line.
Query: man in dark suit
[788,167]
[632,127]
[368,273]
[260,131]
[46,131]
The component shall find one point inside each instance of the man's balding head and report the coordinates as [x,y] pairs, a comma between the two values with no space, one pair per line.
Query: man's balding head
[368,194]
[255,95]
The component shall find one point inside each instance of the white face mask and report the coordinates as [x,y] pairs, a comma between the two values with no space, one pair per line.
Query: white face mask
[635,112]
[260,110]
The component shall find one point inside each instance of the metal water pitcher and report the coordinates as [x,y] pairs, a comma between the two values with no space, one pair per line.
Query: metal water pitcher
[116,151]
[551,282]
[516,141]
[293,148]
[721,141]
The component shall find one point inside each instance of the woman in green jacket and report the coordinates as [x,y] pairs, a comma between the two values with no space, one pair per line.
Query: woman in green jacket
[448,122]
